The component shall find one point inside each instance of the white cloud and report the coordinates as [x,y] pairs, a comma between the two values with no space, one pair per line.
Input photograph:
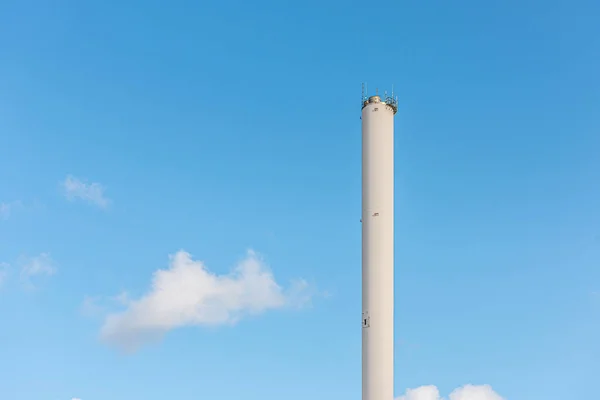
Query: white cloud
[473,392]
[188,294]
[421,393]
[93,193]
[467,392]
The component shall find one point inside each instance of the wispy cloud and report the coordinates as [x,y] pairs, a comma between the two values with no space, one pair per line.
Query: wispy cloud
[595,296]
[187,293]
[467,392]
[77,189]
[7,208]
[90,307]
[29,268]
[38,265]
[3,272]
[4,210]
[32,267]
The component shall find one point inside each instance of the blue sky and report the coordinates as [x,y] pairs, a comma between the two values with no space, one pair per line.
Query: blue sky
[199,138]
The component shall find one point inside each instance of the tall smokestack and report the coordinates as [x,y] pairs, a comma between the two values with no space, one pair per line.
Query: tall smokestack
[378,247]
